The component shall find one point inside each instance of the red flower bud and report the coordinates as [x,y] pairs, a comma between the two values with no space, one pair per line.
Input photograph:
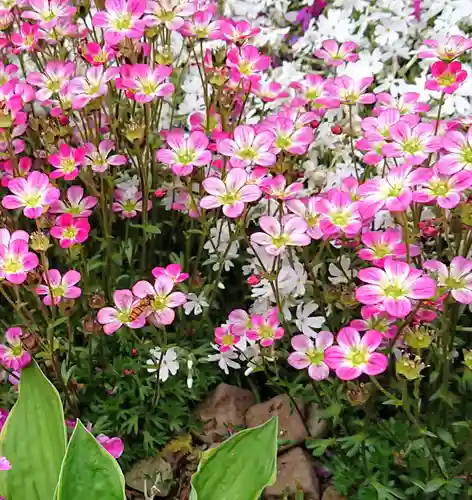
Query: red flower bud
[253,280]
[336,129]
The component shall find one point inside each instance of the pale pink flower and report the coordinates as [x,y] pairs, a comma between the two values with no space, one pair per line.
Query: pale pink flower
[457,279]
[246,62]
[237,32]
[232,194]
[306,208]
[249,148]
[114,445]
[34,194]
[394,287]
[447,49]
[289,138]
[64,28]
[226,337]
[446,190]
[186,151]
[266,328]
[349,91]
[70,231]
[27,39]
[99,159]
[129,202]
[459,152]
[202,26]
[311,355]
[173,271]
[55,77]
[171,13]
[12,354]
[276,236]
[16,261]
[91,86]
[121,19]
[354,355]
[407,104]
[378,127]
[276,187]
[4,464]
[337,54]
[75,204]
[314,89]
[48,12]
[161,311]
[144,83]
[270,91]
[112,318]
[62,287]
[376,319]
[67,162]
[446,77]
[240,322]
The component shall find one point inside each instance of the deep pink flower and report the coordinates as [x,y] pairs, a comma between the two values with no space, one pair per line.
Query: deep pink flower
[354,355]
[306,209]
[4,464]
[276,187]
[27,39]
[266,328]
[173,271]
[16,261]
[23,168]
[446,77]
[75,204]
[170,13]
[144,83]
[96,55]
[114,446]
[459,152]
[112,318]
[61,286]
[70,231]
[447,49]
[12,354]
[335,54]
[67,162]
[226,337]
[315,90]
[246,62]
[237,32]
[375,318]
[129,202]
[311,355]
[232,194]
[55,77]
[99,159]
[394,287]
[48,12]
[34,194]
[349,91]
[457,279]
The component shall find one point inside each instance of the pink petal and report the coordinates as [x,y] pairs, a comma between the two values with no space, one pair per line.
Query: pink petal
[301,343]
[348,372]
[298,360]
[377,364]
[399,308]
[318,372]
[348,337]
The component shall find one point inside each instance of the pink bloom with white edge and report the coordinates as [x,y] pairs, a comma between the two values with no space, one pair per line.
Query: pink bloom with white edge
[457,279]
[246,62]
[171,13]
[202,26]
[4,464]
[459,152]
[375,318]
[446,77]
[173,271]
[12,354]
[99,159]
[307,210]
[266,328]
[55,77]
[337,54]
[447,49]
[112,318]
[91,86]
[354,355]
[314,88]
[67,162]
[34,194]
[237,32]
[185,151]
[407,104]
[75,204]
[62,287]
[128,203]
[121,19]
[27,39]
[70,231]
[143,83]
[114,445]
[161,311]
[232,194]
[395,287]
[379,245]
[276,187]
[226,337]
[16,261]
[240,322]
[446,190]
[276,237]
[289,138]
[412,143]
[22,170]
[249,148]
[311,355]
[48,12]
[349,91]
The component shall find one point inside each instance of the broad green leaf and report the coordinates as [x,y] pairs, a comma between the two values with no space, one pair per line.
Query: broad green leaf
[240,468]
[89,472]
[33,439]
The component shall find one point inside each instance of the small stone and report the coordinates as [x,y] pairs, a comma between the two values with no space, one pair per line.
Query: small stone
[154,471]
[291,426]
[316,425]
[295,473]
[331,494]
[222,411]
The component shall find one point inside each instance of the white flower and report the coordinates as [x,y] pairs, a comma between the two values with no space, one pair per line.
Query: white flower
[225,359]
[189,373]
[305,322]
[254,359]
[342,272]
[167,362]
[195,304]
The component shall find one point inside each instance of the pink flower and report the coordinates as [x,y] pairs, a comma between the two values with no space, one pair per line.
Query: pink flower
[173,271]
[446,77]
[446,49]
[335,54]
[445,190]
[311,356]
[91,86]
[237,31]
[66,162]
[114,446]
[170,13]
[270,91]
[289,138]
[129,202]
[186,151]
[61,286]
[376,319]
[246,62]
[12,354]
[70,231]
[112,318]
[23,168]
[307,210]
[76,204]
[4,464]
[240,322]
[34,194]
[3,417]
[16,261]
[143,83]
[275,187]
[164,301]
[407,104]
[276,237]
[354,355]
[55,77]
[459,152]
[349,91]
[266,329]
[48,12]
[202,26]
[99,159]
[378,245]
[249,148]
[121,19]
[27,39]
[314,89]
[226,337]
[457,280]
[96,55]
[394,287]
[232,194]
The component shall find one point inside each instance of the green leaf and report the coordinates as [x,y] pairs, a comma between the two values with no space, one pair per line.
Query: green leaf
[240,468]
[148,228]
[446,436]
[33,439]
[434,485]
[89,471]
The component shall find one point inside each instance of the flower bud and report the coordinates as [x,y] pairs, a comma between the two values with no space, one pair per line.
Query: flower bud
[358,394]
[253,280]
[39,241]
[409,367]
[97,301]
[336,129]
[134,132]
[419,337]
